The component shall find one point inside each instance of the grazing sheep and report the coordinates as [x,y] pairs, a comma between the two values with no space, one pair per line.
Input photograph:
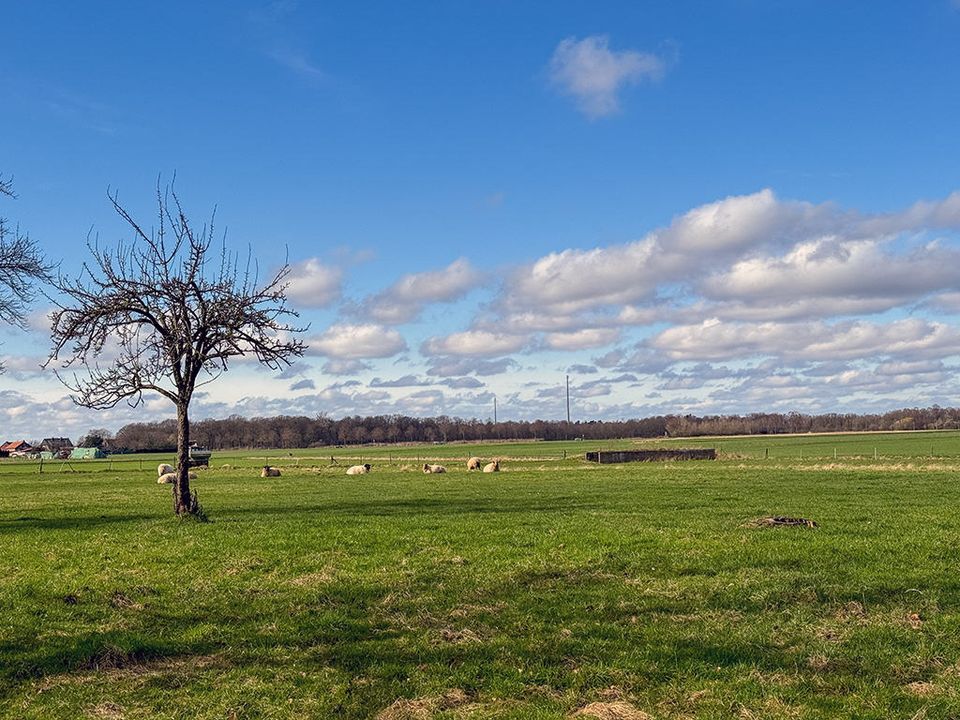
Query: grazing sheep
[492,467]
[474,463]
[359,469]
[427,468]
[168,478]
[163,469]
[270,471]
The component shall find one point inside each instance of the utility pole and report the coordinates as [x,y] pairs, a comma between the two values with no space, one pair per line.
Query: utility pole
[568,399]
[494,409]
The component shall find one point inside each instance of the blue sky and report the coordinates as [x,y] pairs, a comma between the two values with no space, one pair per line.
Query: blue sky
[690,207]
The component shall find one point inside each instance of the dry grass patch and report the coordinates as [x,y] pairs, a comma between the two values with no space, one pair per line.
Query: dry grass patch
[423,708]
[617,710]
[921,688]
[321,577]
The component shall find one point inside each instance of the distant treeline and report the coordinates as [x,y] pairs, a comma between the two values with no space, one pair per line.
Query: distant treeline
[302,432]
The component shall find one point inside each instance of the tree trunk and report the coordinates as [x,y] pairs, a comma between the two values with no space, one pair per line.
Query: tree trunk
[182,503]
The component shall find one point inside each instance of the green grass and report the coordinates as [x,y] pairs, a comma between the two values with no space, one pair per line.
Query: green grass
[526,594]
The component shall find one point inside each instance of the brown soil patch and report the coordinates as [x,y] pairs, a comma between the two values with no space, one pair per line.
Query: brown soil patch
[119,599]
[453,698]
[783,521]
[852,610]
[619,710]
[458,637]
[106,711]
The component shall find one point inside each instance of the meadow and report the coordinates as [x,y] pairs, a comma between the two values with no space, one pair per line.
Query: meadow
[551,589]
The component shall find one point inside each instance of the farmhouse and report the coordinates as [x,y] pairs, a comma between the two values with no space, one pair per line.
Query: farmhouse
[55,448]
[15,448]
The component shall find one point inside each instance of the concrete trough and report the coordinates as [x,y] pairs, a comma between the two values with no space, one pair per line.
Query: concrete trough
[606,457]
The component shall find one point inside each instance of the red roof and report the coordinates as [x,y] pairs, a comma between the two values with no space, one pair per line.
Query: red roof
[15,446]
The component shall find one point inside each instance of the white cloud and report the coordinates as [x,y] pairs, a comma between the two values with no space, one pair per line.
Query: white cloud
[345,367]
[462,383]
[474,343]
[404,300]
[834,268]
[716,340]
[313,284]
[575,281]
[585,339]
[751,257]
[455,366]
[405,381]
[593,74]
[356,342]
[948,302]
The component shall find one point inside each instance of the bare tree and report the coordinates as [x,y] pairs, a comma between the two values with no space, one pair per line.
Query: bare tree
[166,314]
[22,266]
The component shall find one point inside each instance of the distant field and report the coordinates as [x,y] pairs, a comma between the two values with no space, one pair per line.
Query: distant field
[532,593]
[853,446]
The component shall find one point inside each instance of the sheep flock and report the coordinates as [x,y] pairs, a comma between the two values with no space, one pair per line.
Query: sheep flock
[166,474]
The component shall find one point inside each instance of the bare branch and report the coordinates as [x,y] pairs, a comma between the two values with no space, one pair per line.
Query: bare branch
[22,267]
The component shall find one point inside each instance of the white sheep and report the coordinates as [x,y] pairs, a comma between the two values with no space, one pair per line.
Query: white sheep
[427,468]
[474,463]
[163,469]
[359,469]
[492,466]
[170,477]
[269,472]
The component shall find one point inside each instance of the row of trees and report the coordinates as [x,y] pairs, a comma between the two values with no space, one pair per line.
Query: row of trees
[301,432]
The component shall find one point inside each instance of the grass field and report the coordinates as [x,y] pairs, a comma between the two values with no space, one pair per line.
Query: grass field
[552,587]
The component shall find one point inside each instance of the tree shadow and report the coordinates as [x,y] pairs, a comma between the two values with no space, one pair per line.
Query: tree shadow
[345,626]
[68,522]
[420,506]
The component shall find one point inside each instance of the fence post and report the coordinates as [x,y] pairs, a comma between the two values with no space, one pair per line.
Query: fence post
[41,466]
